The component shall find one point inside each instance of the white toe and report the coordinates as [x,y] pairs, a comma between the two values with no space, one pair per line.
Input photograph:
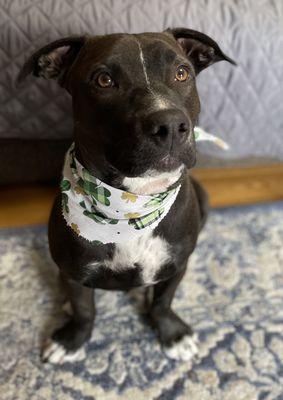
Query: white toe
[57,354]
[78,355]
[184,350]
[48,349]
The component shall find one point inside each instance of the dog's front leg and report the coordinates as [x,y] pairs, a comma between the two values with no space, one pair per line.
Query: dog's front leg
[66,342]
[176,336]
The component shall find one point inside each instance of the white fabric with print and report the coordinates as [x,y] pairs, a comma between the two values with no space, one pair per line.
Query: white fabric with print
[103,214]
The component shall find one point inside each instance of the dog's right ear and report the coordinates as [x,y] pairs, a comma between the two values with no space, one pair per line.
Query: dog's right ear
[53,60]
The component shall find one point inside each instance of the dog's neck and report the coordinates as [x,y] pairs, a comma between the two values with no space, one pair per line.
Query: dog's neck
[150,182]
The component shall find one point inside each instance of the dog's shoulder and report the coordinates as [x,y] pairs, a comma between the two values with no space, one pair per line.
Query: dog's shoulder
[201,197]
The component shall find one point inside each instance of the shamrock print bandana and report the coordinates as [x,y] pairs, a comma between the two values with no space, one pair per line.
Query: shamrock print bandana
[201,135]
[103,214]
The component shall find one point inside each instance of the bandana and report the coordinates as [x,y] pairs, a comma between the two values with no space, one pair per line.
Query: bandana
[201,135]
[101,213]
[104,214]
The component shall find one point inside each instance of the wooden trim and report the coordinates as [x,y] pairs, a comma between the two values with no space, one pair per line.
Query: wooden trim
[27,205]
[240,186]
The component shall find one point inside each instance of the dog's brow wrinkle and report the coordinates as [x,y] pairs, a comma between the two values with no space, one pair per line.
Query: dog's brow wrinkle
[144,66]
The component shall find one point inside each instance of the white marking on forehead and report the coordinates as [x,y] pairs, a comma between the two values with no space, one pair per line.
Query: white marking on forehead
[159,102]
[144,66]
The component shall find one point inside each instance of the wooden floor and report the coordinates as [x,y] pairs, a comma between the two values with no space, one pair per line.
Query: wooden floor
[27,205]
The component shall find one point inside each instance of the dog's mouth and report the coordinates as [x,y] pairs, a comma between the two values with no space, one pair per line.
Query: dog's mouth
[169,162]
[131,166]
[178,156]
[133,158]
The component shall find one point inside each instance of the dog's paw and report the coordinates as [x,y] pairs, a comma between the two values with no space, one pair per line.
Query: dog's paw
[55,353]
[184,350]
[66,342]
[170,327]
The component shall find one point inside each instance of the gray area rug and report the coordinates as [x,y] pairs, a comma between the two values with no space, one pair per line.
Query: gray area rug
[232,295]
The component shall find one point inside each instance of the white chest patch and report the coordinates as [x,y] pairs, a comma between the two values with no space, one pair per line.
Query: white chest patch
[148,252]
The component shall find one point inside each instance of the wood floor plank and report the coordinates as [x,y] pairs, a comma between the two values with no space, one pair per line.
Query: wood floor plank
[28,205]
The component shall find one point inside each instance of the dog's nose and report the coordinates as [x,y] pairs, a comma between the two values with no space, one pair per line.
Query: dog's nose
[161,126]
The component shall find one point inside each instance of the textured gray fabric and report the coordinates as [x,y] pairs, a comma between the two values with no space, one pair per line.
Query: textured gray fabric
[243,105]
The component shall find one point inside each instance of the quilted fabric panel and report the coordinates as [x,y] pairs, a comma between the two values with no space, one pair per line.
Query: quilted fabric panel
[243,105]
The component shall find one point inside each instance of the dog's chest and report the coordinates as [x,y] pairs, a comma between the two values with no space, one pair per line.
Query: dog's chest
[146,254]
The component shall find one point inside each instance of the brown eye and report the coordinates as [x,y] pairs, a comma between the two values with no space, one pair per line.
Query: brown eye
[104,80]
[182,74]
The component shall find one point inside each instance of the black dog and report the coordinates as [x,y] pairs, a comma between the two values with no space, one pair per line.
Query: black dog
[135,104]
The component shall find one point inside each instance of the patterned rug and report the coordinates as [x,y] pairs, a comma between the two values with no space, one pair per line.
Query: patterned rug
[232,295]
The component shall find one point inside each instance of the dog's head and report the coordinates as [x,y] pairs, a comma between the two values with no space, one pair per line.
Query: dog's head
[135,100]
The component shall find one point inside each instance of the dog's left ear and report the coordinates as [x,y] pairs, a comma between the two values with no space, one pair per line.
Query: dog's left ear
[199,48]
[53,60]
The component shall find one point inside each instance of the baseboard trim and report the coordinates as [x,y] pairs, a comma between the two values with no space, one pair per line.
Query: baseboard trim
[235,186]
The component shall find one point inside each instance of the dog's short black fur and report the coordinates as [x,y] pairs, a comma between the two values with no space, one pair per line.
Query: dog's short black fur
[135,105]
